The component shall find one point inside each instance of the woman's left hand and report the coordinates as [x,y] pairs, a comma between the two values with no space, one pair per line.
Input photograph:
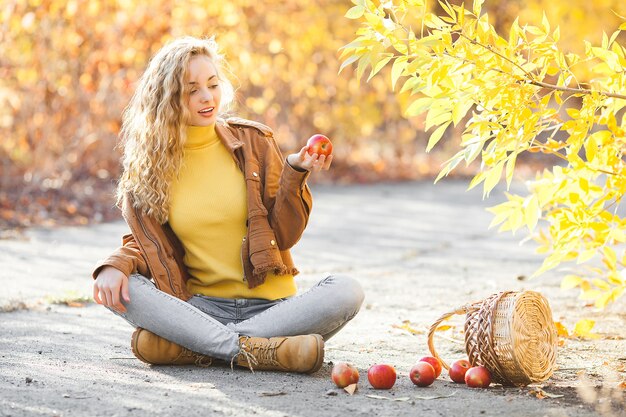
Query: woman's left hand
[302,160]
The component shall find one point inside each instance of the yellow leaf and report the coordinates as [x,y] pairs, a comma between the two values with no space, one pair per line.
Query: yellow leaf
[378,66]
[618,292]
[590,294]
[591,147]
[615,279]
[407,326]
[493,177]
[586,255]
[603,300]
[436,136]
[397,69]
[355,12]
[419,106]
[532,213]
[570,281]
[444,328]
[545,23]
[610,256]
[622,26]
[601,284]
[460,109]
[561,330]
[583,329]
[478,178]
[350,60]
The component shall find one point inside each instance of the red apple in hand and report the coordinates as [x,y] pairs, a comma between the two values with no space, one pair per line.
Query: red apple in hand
[422,374]
[344,374]
[458,369]
[478,377]
[320,145]
[434,362]
[381,376]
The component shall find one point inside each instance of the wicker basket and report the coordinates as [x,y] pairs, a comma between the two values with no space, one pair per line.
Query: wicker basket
[510,333]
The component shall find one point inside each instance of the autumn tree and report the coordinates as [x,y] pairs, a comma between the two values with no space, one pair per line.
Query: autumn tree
[68,68]
[511,95]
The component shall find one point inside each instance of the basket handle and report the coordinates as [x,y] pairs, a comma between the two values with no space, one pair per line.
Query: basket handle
[431,333]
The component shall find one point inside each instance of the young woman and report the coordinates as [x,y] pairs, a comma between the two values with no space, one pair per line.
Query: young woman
[213,210]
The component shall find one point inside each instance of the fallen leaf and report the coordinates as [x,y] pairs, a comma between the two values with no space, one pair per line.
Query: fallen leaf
[444,328]
[271,393]
[561,330]
[406,325]
[350,389]
[380,397]
[541,394]
[622,385]
[583,329]
[75,304]
[434,397]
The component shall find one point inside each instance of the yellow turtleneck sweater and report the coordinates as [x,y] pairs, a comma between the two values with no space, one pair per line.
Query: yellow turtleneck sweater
[208,212]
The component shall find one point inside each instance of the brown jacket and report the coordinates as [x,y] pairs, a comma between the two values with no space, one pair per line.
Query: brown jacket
[279,203]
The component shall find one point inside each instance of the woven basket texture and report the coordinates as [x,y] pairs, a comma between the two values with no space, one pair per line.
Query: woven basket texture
[511,333]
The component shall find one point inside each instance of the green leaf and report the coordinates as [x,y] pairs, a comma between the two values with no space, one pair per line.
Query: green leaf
[436,136]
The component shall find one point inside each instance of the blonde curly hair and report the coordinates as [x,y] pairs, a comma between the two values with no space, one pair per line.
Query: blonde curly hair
[154,124]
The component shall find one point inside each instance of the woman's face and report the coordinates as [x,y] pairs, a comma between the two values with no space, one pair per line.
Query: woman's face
[204,92]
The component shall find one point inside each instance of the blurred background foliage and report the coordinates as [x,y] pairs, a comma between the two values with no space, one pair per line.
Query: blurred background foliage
[68,68]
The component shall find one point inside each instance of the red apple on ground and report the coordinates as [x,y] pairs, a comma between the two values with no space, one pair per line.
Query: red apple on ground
[381,376]
[320,145]
[434,362]
[422,374]
[344,374]
[478,377]
[458,369]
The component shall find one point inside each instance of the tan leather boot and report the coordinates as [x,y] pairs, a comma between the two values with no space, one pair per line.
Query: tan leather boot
[155,350]
[290,354]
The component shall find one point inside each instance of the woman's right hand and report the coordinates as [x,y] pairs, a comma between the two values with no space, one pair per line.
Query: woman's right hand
[109,285]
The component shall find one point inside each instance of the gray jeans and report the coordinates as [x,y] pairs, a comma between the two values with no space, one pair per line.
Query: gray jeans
[212,326]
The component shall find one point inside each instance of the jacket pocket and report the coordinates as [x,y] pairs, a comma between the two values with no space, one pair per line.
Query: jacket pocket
[254,188]
[264,252]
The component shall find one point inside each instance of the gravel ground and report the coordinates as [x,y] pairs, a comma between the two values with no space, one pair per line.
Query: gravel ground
[418,249]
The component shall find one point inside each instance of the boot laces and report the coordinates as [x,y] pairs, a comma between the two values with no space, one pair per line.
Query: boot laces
[200,360]
[203,361]
[258,353]
[266,354]
[248,357]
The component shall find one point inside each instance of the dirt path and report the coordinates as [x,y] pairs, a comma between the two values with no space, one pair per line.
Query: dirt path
[419,250]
